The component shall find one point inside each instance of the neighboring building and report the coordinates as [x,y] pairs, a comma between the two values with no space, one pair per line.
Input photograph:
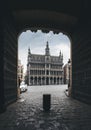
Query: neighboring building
[26,78]
[66,73]
[20,71]
[44,69]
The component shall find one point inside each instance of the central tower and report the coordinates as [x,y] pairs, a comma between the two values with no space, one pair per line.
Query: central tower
[47,64]
[47,50]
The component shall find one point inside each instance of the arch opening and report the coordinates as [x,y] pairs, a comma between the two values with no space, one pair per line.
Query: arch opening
[45,57]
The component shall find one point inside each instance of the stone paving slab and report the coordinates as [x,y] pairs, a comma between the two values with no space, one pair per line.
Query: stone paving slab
[65,114]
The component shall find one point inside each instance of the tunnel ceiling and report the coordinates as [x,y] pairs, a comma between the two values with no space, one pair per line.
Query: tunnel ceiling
[55,15]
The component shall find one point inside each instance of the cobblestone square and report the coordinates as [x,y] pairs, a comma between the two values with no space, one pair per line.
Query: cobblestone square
[65,113]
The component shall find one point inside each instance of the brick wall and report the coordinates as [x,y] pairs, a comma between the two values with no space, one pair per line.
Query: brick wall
[2,100]
[81,64]
[10,60]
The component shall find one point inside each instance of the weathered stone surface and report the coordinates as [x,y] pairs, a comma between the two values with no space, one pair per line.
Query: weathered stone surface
[2,99]
[65,113]
[81,64]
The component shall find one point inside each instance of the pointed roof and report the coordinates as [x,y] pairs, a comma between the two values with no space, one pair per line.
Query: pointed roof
[29,52]
[60,53]
[47,52]
[47,44]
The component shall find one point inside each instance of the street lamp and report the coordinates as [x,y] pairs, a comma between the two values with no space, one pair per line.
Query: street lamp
[69,63]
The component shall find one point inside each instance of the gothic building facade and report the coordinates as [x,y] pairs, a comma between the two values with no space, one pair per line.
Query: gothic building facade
[44,69]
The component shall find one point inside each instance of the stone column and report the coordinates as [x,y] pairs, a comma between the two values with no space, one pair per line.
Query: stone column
[49,80]
[59,80]
[45,74]
[56,80]
[62,80]
[33,81]
[45,80]
[52,80]
[37,80]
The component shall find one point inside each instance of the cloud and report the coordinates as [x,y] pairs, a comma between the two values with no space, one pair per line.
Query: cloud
[37,43]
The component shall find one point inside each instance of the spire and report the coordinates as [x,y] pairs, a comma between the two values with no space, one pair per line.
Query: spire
[29,51]
[60,53]
[47,45]
[47,52]
[62,57]
[29,55]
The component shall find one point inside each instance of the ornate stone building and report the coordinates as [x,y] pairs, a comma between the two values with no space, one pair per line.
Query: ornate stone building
[44,69]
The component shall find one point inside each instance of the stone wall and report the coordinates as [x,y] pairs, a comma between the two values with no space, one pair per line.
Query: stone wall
[10,60]
[81,64]
[2,100]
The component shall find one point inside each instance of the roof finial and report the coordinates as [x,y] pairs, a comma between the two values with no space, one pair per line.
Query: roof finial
[60,53]
[47,45]
[29,51]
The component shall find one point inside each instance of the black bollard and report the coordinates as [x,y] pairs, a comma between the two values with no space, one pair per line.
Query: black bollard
[46,102]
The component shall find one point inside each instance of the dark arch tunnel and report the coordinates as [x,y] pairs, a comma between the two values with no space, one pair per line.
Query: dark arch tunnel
[72,18]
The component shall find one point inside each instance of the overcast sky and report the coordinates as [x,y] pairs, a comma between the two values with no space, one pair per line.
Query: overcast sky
[37,43]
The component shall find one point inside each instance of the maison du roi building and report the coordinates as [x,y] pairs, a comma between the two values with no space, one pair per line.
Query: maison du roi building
[44,69]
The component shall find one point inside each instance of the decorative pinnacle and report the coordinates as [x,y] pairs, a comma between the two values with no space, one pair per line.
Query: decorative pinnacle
[47,45]
[29,51]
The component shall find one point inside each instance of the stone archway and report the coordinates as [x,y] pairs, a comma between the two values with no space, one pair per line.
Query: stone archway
[47,80]
[43,80]
[73,18]
[51,79]
[35,80]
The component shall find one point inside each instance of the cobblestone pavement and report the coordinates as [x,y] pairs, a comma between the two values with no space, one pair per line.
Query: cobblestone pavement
[65,114]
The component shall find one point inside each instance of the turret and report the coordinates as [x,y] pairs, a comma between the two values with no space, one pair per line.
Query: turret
[47,50]
[29,55]
[61,57]
[60,54]
[29,51]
